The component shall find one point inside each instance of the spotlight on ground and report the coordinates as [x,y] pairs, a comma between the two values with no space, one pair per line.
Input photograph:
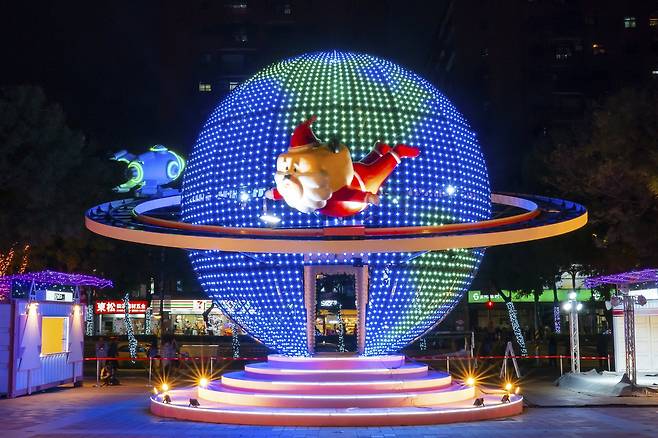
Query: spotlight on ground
[194,403]
[505,398]
[164,387]
[166,399]
[155,390]
[470,381]
[517,390]
[479,402]
[508,387]
[203,382]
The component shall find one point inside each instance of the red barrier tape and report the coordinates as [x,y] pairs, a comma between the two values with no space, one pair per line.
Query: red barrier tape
[410,357]
[508,357]
[175,358]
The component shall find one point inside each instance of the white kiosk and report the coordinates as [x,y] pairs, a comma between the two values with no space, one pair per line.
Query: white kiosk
[635,323]
[42,330]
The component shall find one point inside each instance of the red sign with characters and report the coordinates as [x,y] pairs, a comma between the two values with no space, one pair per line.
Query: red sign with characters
[105,307]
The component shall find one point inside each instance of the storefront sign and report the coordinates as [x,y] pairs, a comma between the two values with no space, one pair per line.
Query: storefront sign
[106,307]
[328,303]
[183,307]
[476,296]
[198,305]
[62,297]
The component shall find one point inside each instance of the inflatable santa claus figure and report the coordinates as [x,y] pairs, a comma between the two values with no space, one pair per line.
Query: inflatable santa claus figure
[315,176]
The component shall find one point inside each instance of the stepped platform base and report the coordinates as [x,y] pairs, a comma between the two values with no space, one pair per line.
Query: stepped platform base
[335,391]
[212,412]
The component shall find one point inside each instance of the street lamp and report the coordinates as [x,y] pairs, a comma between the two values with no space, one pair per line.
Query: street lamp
[573,307]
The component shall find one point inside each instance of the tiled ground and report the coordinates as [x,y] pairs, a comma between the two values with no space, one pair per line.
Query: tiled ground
[122,411]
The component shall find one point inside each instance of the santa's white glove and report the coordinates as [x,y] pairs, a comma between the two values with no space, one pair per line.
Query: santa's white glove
[372,199]
[269,194]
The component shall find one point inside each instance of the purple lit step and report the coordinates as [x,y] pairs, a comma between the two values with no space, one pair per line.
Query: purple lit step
[368,385]
[451,394]
[335,361]
[266,370]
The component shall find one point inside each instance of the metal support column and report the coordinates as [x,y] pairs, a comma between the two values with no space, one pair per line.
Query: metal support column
[574,339]
[629,333]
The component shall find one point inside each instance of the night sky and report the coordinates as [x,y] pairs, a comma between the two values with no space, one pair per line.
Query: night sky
[100,60]
[85,55]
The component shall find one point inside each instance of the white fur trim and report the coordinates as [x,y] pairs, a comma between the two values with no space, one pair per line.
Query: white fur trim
[361,183]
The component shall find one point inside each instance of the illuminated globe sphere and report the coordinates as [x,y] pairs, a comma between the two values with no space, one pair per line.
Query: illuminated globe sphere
[360,99]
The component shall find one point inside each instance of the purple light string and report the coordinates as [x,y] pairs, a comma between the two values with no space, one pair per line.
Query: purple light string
[630,277]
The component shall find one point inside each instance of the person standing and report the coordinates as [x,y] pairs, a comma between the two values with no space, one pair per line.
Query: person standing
[101,352]
[113,353]
[552,350]
[153,349]
[168,352]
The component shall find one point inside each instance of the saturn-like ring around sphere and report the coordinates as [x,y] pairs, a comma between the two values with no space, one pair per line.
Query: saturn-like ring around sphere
[141,221]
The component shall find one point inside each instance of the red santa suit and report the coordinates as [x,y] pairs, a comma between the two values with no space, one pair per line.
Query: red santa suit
[369,174]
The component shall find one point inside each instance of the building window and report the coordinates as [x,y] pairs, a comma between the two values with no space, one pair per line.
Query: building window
[287,9]
[562,53]
[484,52]
[232,85]
[238,5]
[653,22]
[241,37]
[654,73]
[204,87]
[598,49]
[630,23]
[54,335]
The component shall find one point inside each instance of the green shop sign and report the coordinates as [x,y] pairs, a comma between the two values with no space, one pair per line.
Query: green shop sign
[476,296]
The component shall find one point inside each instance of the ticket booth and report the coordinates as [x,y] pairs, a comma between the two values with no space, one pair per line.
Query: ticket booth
[42,330]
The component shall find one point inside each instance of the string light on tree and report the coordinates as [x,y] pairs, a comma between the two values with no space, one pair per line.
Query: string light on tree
[516,327]
[148,323]
[235,340]
[132,341]
[25,260]
[89,320]
[556,319]
[341,329]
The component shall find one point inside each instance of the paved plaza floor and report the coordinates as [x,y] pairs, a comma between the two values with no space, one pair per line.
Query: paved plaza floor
[123,411]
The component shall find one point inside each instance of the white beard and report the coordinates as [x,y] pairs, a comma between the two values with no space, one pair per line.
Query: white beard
[307,193]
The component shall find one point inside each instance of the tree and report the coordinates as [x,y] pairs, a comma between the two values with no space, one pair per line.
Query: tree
[611,166]
[49,175]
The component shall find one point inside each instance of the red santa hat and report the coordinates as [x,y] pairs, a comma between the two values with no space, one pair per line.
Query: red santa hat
[303,135]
